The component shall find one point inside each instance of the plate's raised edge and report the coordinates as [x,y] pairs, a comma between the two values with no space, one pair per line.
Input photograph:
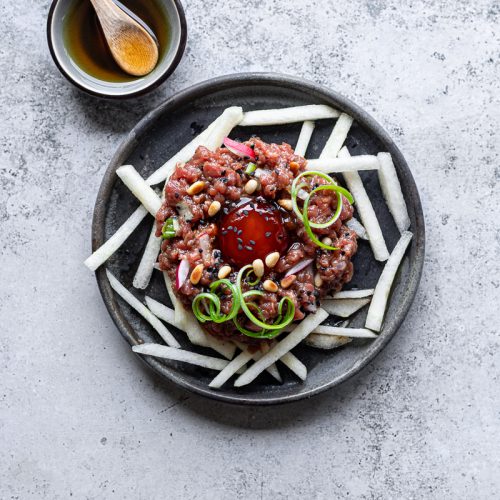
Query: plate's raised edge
[417,247]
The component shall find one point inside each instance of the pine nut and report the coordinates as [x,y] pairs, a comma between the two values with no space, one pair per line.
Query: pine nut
[258,268]
[286,282]
[318,281]
[195,188]
[213,208]
[286,204]
[251,186]
[196,274]
[327,241]
[270,286]
[223,272]
[272,259]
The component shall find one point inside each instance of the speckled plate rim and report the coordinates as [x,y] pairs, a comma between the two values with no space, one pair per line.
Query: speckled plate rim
[328,96]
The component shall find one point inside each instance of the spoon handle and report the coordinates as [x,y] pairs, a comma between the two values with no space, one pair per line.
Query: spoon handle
[107,12]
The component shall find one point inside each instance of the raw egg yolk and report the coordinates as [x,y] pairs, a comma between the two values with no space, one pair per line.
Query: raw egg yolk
[251,231]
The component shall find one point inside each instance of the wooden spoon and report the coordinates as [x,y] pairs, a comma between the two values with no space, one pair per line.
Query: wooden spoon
[132,47]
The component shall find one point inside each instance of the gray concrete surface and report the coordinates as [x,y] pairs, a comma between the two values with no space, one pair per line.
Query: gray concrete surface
[81,418]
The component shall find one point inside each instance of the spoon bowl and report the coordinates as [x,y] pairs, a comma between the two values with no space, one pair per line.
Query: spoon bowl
[131,45]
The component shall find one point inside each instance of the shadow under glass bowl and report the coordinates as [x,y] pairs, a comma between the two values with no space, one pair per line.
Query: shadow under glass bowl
[162,133]
[167,63]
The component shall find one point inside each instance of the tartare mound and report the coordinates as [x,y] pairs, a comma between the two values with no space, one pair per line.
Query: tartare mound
[227,217]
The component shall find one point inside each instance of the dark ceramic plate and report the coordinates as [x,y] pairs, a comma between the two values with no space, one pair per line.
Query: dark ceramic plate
[169,127]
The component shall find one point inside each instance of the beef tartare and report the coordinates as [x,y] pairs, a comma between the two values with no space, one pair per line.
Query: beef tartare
[252,239]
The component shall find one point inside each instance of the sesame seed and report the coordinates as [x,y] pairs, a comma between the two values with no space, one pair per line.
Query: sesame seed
[240,231]
[268,234]
[229,228]
[240,247]
[224,233]
[252,242]
[239,240]
[249,248]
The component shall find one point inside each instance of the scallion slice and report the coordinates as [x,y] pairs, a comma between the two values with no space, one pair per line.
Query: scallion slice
[170,228]
[251,168]
[278,325]
[211,303]
[207,307]
[303,215]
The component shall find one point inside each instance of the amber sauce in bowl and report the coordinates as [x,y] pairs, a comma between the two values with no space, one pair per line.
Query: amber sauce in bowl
[87,47]
[80,51]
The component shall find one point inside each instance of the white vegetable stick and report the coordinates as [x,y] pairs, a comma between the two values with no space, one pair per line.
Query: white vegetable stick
[353,333]
[127,228]
[212,139]
[133,302]
[304,137]
[163,351]
[230,118]
[160,310]
[180,312]
[281,348]
[243,358]
[140,189]
[349,164]
[195,334]
[344,307]
[326,341]
[358,228]
[337,137]
[380,297]
[273,369]
[165,171]
[354,294]
[198,336]
[288,115]
[391,189]
[293,363]
[105,251]
[149,257]
[289,360]
[183,155]
[366,212]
